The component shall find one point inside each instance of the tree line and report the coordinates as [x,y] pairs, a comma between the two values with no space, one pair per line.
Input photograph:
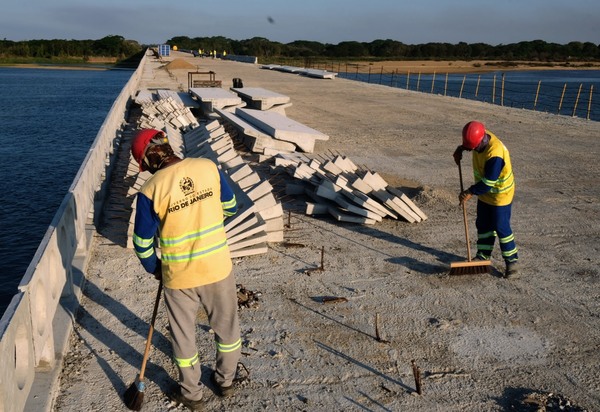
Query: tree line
[536,50]
[120,48]
[109,46]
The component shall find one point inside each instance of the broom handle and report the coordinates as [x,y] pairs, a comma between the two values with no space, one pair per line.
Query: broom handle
[464,208]
[149,340]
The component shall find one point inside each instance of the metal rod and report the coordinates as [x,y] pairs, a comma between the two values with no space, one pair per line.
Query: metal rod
[417,376]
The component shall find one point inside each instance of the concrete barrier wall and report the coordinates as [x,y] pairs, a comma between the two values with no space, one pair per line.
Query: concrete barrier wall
[30,325]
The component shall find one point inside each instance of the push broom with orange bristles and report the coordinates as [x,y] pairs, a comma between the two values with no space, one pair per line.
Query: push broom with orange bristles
[470,267]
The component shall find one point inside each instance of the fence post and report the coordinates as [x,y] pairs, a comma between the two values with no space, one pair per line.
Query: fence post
[392,79]
[432,82]
[418,81]
[407,80]
[477,88]
[537,93]
[590,102]
[381,75]
[577,99]
[446,84]
[494,90]
[561,98]
[462,86]
[502,91]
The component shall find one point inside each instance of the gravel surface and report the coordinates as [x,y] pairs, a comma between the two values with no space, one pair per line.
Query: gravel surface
[480,342]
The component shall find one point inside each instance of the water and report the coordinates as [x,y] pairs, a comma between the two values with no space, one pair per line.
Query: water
[564,92]
[49,119]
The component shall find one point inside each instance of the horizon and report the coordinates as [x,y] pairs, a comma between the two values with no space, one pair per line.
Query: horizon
[297,40]
[332,22]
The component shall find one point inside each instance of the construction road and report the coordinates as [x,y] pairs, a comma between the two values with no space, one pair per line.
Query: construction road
[481,343]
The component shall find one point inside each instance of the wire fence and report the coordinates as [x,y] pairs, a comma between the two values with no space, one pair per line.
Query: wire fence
[563,92]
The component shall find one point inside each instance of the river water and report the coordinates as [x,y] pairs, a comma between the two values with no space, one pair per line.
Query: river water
[49,119]
[564,92]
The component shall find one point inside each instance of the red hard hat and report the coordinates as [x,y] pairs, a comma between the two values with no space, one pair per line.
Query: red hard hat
[141,141]
[472,135]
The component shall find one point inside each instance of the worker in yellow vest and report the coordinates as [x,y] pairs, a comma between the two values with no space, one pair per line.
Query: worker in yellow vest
[184,204]
[495,188]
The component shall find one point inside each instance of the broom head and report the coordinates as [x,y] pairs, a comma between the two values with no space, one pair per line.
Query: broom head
[134,395]
[471,267]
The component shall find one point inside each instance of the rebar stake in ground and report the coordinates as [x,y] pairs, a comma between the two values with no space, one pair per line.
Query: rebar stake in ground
[377,334]
[417,375]
[289,223]
[320,268]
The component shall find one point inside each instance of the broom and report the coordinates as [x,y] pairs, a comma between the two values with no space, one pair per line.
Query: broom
[134,395]
[469,267]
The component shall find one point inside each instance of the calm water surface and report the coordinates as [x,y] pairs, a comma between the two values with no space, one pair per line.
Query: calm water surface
[48,118]
[564,92]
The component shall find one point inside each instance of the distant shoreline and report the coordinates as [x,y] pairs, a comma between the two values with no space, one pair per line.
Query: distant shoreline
[461,66]
[56,67]
[398,66]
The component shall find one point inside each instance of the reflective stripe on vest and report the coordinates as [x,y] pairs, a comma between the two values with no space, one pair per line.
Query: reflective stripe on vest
[229,204]
[497,186]
[186,237]
[188,255]
[145,244]
[194,254]
[142,242]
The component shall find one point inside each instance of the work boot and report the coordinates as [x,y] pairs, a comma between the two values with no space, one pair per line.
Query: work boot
[512,270]
[223,391]
[176,396]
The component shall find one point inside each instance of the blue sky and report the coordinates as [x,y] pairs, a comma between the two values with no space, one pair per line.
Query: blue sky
[326,21]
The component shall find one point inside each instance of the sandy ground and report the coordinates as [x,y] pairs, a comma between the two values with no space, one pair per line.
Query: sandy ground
[464,66]
[481,343]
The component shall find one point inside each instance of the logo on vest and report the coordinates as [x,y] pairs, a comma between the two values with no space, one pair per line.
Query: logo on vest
[191,196]
[187,186]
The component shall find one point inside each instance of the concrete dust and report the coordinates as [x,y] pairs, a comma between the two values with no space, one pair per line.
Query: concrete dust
[482,343]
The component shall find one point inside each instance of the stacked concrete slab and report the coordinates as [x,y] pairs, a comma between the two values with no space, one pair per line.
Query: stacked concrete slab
[316,73]
[212,98]
[253,138]
[337,187]
[261,130]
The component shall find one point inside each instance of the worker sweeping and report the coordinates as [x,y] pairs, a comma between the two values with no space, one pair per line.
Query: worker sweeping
[495,188]
[184,204]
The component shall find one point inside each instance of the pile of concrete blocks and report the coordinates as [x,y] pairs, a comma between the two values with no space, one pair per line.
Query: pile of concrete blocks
[270,133]
[259,219]
[145,96]
[166,111]
[337,187]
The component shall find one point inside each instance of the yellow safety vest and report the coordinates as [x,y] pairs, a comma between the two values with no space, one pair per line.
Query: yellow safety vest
[187,199]
[503,189]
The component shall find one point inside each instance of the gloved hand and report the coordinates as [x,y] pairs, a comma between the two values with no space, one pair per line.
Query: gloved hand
[158,271]
[464,196]
[458,155]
